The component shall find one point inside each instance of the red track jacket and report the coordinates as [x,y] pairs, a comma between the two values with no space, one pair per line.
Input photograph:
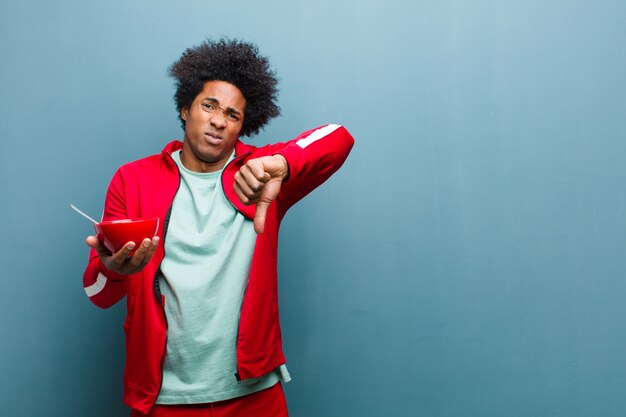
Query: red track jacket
[146,188]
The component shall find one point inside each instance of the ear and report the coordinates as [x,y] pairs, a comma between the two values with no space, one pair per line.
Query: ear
[183,113]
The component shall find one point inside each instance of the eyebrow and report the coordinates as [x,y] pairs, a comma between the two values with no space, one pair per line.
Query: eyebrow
[216,101]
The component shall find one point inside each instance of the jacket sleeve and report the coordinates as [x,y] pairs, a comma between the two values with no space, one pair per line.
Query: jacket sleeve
[103,287]
[313,157]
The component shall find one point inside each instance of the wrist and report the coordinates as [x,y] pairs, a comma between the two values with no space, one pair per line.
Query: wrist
[111,274]
[284,170]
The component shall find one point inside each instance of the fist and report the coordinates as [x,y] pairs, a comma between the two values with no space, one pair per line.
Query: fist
[258,182]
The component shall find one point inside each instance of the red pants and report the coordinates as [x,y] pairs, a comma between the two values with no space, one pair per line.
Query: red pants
[269,402]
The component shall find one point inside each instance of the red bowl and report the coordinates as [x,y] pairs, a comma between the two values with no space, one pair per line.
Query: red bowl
[114,234]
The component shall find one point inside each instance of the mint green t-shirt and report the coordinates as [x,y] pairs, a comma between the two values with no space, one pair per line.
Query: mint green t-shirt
[208,250]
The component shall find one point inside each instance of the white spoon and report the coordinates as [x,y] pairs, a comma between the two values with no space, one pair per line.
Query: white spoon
[79,211]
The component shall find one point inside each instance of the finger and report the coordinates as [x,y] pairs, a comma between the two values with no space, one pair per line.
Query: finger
[255,176]
[251,179]
[245,188]
[270,192]
[247,197]
[122,255]
[259,217]
[94,243]
[140,254]
[154,243]
[259,168]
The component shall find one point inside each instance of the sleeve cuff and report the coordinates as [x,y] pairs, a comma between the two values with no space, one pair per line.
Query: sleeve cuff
[110,275]
[297,159]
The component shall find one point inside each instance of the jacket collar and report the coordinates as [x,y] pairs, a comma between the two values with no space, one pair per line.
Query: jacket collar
[240,148]
[242,151]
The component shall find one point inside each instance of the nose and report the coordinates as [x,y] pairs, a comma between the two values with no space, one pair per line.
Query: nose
[218,120]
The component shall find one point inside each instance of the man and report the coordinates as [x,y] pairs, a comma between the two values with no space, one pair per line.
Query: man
[202,329]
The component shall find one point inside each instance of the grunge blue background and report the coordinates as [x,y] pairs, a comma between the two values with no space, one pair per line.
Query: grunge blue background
[468,259]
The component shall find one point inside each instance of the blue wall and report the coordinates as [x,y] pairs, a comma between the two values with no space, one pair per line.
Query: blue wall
[468,260]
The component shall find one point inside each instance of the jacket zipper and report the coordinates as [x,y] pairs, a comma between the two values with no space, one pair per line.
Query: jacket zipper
[159,273]
[222,174]
[237,376]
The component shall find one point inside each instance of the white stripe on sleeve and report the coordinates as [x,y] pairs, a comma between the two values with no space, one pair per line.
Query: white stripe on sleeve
[317,135]
[97,286]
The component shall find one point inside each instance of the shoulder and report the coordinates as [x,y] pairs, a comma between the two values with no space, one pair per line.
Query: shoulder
[149,163]
[143,163]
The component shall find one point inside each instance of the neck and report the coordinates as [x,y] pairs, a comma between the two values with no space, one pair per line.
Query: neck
[197,165]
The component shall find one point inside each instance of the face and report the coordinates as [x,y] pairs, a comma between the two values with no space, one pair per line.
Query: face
[212,126]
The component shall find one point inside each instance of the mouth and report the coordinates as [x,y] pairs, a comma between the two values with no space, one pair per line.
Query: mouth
[213,138]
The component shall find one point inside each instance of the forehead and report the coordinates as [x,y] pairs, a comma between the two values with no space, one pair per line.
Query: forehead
[228,95]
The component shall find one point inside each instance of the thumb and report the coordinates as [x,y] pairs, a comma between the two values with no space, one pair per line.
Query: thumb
[259,217]
[269,194]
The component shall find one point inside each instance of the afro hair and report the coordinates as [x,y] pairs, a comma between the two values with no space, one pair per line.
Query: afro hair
[237,63]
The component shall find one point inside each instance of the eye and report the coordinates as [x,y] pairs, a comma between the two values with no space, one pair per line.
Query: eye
[208,106]
[233,116]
